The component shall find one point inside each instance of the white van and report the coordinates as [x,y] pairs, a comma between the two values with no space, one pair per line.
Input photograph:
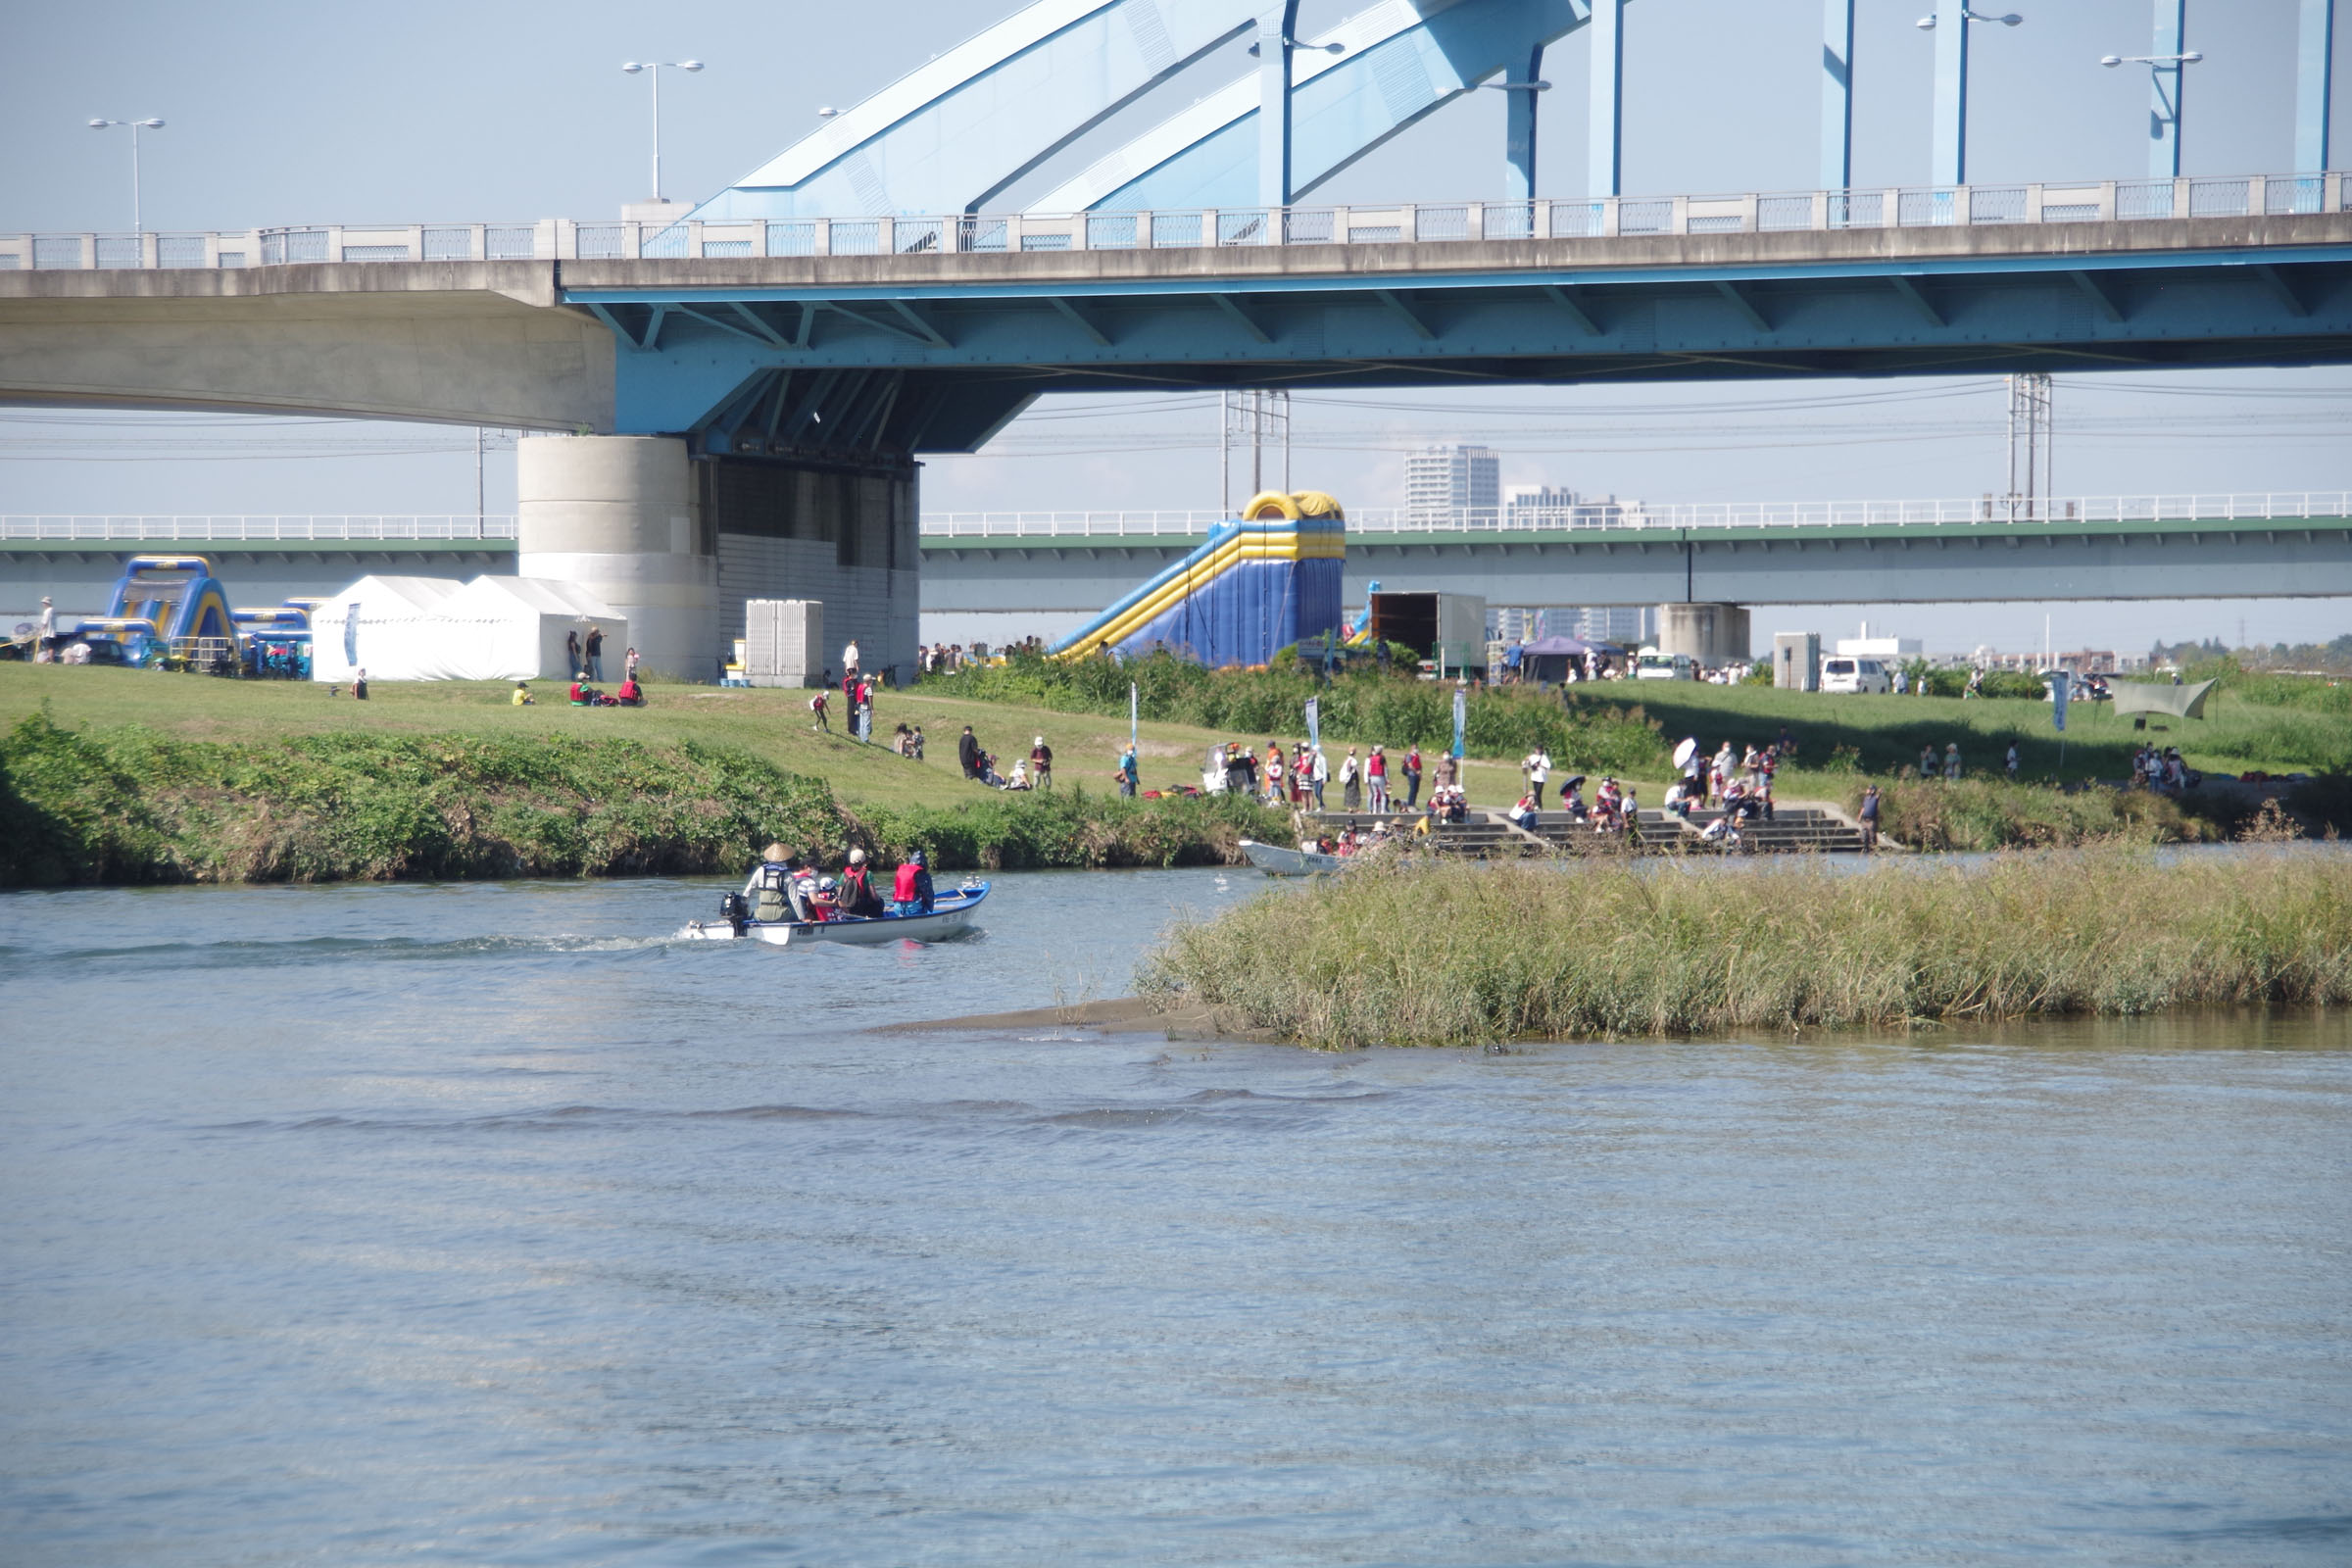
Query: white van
[1651,665]
[1843,672]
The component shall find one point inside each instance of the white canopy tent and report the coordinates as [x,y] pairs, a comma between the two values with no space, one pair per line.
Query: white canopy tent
[437,628]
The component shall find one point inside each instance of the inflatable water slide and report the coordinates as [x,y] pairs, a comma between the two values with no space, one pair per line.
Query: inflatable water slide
[1256,584]
[165,605]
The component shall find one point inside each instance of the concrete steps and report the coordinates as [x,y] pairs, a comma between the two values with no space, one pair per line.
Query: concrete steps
[1793,830]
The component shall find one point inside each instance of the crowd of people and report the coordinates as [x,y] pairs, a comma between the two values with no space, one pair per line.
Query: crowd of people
[1301,775]
[2160,768]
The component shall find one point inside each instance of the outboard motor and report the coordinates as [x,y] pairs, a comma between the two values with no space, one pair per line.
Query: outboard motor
[738,914]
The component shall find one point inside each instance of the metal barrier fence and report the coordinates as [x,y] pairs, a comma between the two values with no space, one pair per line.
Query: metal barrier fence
[1638,515]
[1598,517]
[235,529]
[561,240]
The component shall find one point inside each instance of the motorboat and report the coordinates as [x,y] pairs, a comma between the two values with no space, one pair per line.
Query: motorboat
[1275,860]
[950,916]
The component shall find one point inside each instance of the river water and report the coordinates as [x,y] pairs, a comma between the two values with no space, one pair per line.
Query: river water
[478,1225]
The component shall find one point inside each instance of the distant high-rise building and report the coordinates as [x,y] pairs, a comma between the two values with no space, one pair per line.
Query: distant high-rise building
[1453,478]
[1629,625]
[1549,507]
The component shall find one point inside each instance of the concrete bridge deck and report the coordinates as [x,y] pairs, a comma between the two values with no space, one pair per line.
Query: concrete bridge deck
[933,349]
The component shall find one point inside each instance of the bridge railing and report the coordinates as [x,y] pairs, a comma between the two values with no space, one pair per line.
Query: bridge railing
[1192,228]
[1636,516]
[228,529]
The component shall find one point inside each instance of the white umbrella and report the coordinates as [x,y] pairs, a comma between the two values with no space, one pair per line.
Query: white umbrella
[1685,752]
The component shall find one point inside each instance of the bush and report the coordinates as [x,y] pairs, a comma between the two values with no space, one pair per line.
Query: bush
[2014,683]
[1987,814]
[1460,955]
[128,806]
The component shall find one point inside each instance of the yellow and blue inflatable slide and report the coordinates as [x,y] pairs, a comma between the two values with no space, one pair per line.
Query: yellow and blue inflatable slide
[1258,583]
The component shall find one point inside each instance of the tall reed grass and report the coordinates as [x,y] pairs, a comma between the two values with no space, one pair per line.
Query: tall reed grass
[1462,954]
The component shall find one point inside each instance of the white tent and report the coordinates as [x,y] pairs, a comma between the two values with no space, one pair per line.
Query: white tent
[436,628]
[373,625]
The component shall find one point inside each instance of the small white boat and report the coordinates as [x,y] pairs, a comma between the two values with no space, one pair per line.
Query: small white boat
[951,915]
[1275,860]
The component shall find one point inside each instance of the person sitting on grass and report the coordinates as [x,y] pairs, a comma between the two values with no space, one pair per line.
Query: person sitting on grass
[630,695]
[584,695]
[522,695]
[1020,774]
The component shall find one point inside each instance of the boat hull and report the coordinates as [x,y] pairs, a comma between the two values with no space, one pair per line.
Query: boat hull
[951,916]
[1275,860]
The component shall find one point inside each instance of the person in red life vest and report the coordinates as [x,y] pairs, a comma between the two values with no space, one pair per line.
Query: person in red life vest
[825,903]
[631,695]
[1412,778]
[857,896]
[910,890]
[817,705]
[1376,779]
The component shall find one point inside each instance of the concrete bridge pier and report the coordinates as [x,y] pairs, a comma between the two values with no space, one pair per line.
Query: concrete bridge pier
[677,543]
[616,514]
[1711,634]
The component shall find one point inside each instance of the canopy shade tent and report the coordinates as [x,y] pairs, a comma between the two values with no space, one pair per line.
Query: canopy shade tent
[1547,658]
[437,628]
[2178,702]
[1578,646]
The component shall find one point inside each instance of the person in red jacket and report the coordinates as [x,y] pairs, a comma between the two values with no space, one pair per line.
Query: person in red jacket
[911,889]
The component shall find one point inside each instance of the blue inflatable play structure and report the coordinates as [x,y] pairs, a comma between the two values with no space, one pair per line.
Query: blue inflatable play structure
[1256,584]
[165,607]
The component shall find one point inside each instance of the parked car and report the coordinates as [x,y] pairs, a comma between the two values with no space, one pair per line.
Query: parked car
[1841,673]
[1651,665]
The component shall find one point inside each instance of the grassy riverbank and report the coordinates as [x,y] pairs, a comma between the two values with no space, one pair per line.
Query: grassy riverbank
[1461,955]
[131,806]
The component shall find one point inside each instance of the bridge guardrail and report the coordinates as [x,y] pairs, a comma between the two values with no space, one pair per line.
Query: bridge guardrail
[1636,516]
[1605,217]
[1628,516]
[231,528]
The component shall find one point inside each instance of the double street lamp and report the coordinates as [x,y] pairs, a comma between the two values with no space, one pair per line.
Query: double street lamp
[136,126]
[2164,104]
[654,69]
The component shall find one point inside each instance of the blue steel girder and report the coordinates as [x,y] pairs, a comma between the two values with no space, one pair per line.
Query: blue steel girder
[952,135]
[1397,61]
[838,414]
[996,343]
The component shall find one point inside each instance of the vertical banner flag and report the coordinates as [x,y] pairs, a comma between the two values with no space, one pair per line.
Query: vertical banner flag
[1314,722]
[2059,682]
[1461,716]
[1133,729]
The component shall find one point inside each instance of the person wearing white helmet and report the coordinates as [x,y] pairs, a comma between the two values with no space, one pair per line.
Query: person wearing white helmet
[857,896]
[1040,763]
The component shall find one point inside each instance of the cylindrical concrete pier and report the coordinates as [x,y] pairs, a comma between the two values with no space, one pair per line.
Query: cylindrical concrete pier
[1713,635]
[617,516]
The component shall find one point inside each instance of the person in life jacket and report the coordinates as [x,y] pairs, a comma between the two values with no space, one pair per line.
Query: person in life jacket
[857,896]
[825,902]
[771,888]
[910,890]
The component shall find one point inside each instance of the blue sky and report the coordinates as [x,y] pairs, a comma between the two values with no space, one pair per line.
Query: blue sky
[296,113]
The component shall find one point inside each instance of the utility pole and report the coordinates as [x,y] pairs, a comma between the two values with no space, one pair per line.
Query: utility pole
[2029,446]
[1250,419]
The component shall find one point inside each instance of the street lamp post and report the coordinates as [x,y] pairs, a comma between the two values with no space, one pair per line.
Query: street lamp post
[653,69]
[136,126]
[1951,85]
[2164,62]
